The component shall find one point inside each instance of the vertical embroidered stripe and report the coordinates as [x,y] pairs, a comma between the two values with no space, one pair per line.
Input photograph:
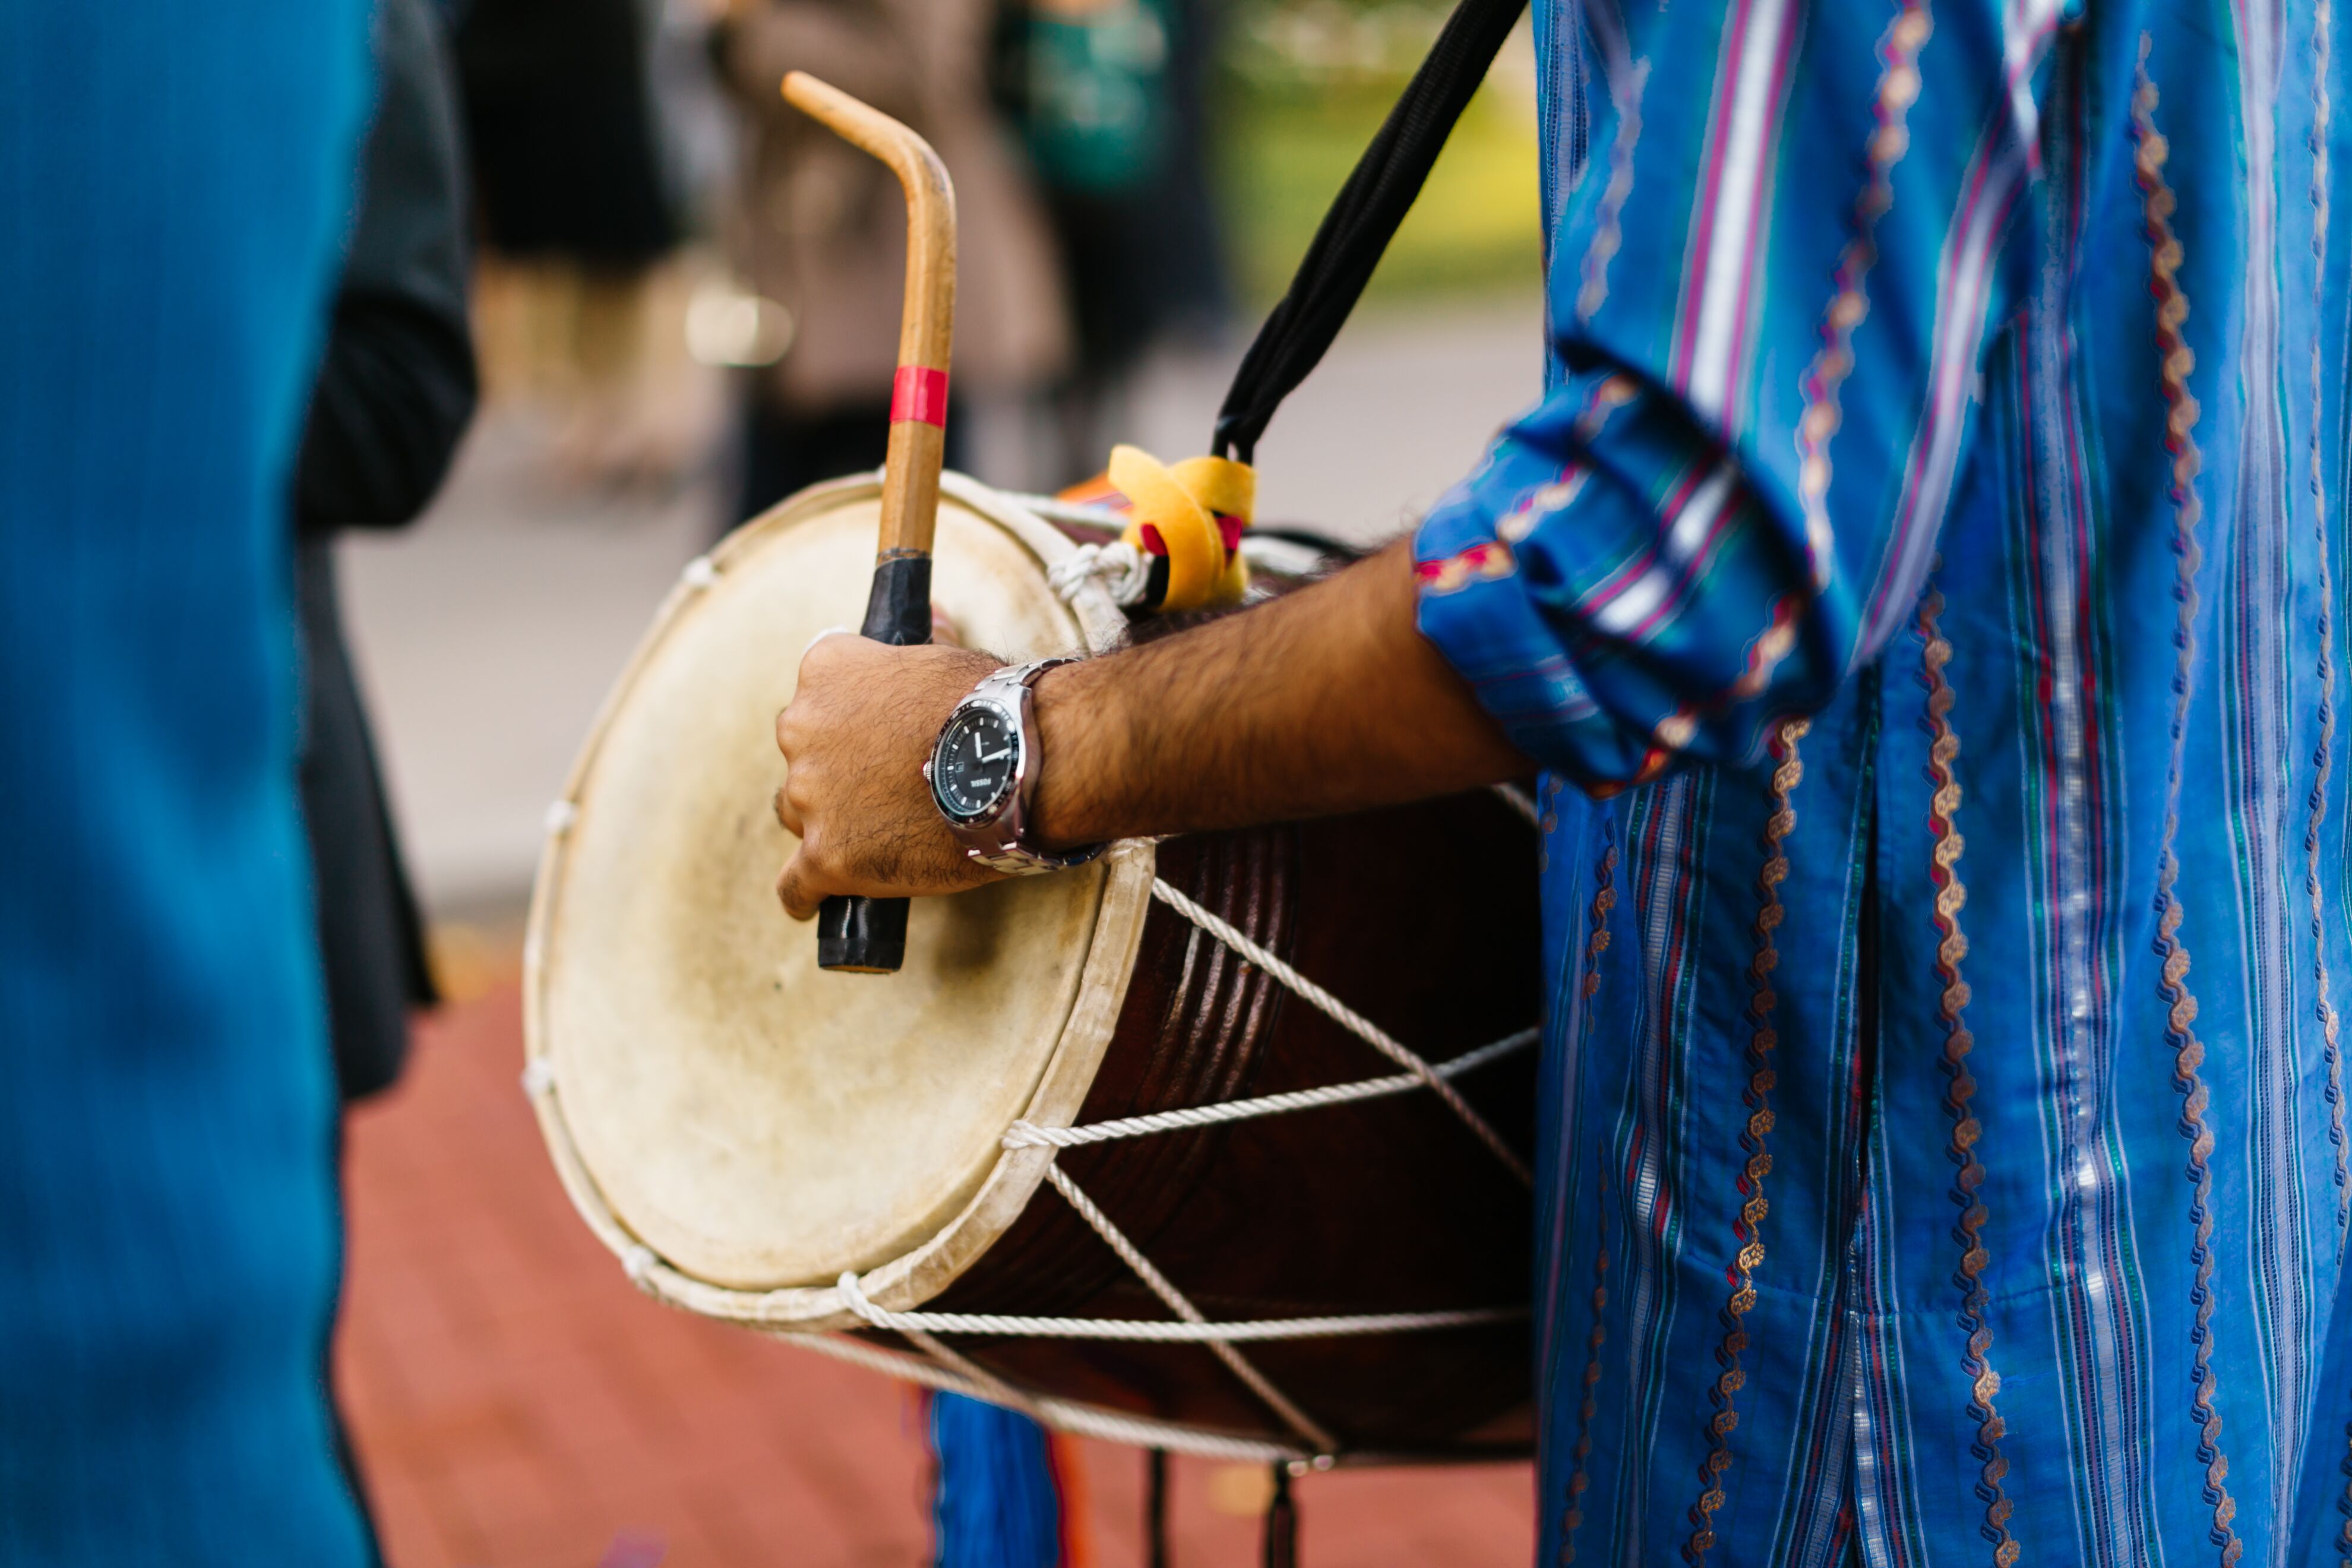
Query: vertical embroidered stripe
[2322,111]
[2188,1052]
[1589,1394]
[1898,89]
[1763,1040]
[1951,946]
[1626,80]
[2324,757]
[1604,899]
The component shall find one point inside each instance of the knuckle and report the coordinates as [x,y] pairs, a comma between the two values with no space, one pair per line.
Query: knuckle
[824,655]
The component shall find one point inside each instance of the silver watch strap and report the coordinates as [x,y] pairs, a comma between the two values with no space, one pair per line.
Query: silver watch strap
[1015,861]
[1023,674]
[1029,863]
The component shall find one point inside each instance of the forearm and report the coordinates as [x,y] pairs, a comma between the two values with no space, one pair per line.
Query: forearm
[1324,700]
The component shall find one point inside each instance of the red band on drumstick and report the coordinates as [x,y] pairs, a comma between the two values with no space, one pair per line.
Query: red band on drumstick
[920,393]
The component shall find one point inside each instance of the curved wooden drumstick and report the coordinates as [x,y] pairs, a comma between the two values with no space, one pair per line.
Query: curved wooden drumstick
[868,936]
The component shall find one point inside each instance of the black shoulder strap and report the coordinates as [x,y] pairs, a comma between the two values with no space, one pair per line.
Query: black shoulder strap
[1363,218]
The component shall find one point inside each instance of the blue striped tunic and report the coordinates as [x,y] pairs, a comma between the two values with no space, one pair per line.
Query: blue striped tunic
[1923,579]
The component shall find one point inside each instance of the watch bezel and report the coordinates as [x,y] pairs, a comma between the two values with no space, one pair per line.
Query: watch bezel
[994,812]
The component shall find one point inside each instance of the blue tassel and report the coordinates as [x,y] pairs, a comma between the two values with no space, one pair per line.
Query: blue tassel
[995,1503]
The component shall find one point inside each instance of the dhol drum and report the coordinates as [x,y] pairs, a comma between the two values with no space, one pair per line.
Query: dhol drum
[1217,1144]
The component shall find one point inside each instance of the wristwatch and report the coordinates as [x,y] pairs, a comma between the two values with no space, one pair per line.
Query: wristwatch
[984,770]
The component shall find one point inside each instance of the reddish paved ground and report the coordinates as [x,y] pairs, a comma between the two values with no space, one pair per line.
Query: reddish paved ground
[517,1405]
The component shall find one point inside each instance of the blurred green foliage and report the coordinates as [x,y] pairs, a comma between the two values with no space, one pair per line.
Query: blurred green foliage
[1297,101]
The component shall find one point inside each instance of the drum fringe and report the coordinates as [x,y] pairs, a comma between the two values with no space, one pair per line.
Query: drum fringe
[1348,1018]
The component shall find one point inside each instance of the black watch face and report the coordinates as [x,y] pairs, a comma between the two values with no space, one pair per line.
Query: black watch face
[978,755]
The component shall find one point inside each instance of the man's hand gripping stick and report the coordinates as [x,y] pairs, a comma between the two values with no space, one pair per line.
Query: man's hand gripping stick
[868,936]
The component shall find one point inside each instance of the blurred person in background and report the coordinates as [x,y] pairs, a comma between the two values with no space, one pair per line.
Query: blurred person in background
[823,228]
[175,189]
[577,216]
[393,395]
[1111,100]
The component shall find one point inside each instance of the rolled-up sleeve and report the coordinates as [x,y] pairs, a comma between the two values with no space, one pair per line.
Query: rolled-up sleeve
[1770,293]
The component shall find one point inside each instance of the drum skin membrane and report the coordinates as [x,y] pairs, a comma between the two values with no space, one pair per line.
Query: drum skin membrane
[756,1121]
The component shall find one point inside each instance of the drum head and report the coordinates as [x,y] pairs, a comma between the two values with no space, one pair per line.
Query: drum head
[754,1122]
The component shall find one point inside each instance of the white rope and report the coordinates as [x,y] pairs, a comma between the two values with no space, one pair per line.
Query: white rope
[1347,1017]
[1029,1135]
[1053,508]
[994,1387]
[1523,803]
[1128,1331]
[1086,1420]
[1179,1303]
[1123,571]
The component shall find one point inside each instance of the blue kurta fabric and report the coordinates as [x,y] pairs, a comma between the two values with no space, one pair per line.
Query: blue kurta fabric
[173,183]
[1924,577]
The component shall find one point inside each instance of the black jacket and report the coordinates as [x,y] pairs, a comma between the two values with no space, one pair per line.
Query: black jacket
[394,392]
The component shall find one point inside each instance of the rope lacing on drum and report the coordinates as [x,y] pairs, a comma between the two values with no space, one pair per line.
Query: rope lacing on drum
[1121,570]
[1192,1326]
[1159,1331]
[1348,1018]
[1029,1135]
[948,1369]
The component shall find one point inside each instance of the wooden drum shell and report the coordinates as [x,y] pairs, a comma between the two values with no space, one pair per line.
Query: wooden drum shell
[1382,1205]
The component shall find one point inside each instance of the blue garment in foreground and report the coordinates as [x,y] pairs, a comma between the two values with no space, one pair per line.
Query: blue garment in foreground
[995,1501]
[1946,1130]
[174,183]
